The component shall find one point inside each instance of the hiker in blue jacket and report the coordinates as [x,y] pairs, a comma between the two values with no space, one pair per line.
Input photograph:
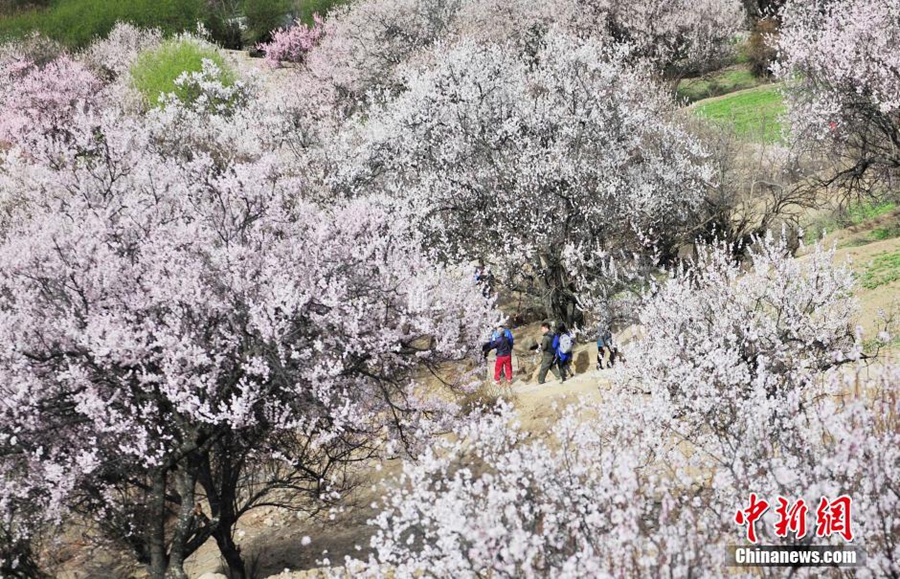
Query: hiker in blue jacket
[563,344]
[502,341]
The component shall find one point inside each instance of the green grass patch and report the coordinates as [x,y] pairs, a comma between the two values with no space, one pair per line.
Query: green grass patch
[155,71]
[857,214]
[718,83]
[75,23]
[753,113]
[741,55]
[861,212]
[883,269]
[883,233]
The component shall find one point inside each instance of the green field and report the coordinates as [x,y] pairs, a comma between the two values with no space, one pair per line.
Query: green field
[718,83]
[75,23]
[754,113]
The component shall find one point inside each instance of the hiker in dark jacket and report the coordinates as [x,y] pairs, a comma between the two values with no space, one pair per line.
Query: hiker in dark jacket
[485,279]
[605,344]
[502,342]
[548,354]
[563,344]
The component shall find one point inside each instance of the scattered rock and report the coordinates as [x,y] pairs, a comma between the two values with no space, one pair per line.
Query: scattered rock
[526,366]
[582,362]
[212,576]
[423,343]
[527,343]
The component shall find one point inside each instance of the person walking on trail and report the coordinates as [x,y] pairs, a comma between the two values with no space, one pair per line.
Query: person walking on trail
[501,341]
[605,344]
[548,354]
[485,279]
[563,344]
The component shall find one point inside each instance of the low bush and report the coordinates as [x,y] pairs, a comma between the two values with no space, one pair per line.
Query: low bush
[855,214]
[155,72]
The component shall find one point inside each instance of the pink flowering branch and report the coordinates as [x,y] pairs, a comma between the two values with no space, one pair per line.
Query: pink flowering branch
[292,44]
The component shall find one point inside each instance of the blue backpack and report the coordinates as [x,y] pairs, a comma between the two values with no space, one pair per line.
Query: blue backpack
[563,345]
[506,332]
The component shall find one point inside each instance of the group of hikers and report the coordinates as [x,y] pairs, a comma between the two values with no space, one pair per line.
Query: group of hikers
[556,348]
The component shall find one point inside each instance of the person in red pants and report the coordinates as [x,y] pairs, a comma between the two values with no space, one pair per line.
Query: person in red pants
[502,341]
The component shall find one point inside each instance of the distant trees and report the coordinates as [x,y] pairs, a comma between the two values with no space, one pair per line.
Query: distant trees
[842,70]
[525,160]
[365,42]
[680,36]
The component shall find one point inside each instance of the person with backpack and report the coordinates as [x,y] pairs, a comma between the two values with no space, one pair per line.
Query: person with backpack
[502,329]
[605,343]
[548,353]
[485,279]
[563,344]
[501,341]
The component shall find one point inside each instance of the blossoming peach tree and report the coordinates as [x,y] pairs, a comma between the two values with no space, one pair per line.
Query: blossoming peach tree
[363,44]
[840,64]
[185,338]
[497,156]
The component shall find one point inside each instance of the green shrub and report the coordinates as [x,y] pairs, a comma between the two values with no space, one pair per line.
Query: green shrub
[155,71]
[857,213]
[306,8]
[222,24]
[264,16]
[14,6]
[861,212]
[889,232]
[76,23]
